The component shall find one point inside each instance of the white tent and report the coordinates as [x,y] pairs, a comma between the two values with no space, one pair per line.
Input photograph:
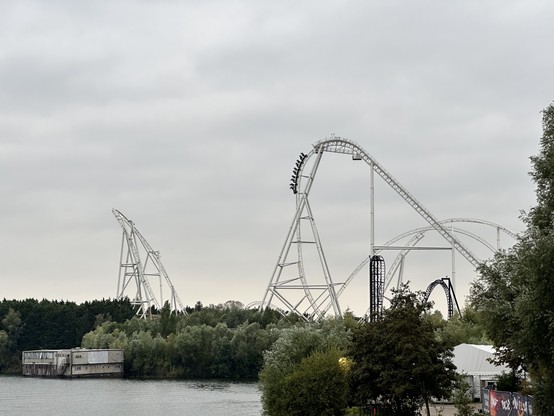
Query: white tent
[472,360]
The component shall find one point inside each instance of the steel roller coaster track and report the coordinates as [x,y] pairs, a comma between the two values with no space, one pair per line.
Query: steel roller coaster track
[313,301]
[139,264]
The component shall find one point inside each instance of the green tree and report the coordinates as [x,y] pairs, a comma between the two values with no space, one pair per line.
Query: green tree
[247,347]
[516,289]
[168,320]
[509,381]
[317,386]
[398,359]
[5,354]
[203,351]
[13,325]
[463,329]
[175,346]
[462,397]
[301,358]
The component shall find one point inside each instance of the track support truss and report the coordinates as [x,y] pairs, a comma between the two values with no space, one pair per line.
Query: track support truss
[289,283]
[139,265]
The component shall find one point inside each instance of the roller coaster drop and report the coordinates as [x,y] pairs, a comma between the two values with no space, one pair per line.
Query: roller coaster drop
[313,300]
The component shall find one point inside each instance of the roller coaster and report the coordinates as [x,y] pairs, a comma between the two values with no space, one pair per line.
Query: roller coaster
[139,265]
[298,292]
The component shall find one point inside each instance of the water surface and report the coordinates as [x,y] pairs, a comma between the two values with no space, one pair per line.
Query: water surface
[98,397]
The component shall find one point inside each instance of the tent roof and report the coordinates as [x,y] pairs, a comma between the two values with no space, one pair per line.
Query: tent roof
[472,359]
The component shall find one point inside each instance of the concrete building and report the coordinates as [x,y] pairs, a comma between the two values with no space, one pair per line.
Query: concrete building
[75,362]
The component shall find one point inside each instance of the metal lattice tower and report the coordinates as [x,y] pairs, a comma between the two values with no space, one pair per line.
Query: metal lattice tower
[376,287]
[139,265]
[290,284]
[397,267]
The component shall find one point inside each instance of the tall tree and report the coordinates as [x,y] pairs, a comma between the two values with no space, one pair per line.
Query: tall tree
[516,289]
[5,354]
[317,386]
[12,325]
[398,360]
[301,373]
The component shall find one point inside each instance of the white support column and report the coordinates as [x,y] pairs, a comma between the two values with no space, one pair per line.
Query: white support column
[371,222]
[453,280]
[371,210]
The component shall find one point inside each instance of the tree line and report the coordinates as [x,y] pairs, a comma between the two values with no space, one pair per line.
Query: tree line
[224,341]
[31,324]
[324,366]
[208,341]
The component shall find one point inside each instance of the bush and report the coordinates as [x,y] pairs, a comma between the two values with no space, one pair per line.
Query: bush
[301,374]
[317,386]
[461,397]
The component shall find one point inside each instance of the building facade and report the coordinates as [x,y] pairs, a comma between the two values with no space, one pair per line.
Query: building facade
[77,362]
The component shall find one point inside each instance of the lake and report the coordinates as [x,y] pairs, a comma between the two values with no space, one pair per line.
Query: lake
[124,397]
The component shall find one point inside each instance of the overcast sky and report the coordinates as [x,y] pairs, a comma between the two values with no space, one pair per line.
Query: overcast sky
[188,118]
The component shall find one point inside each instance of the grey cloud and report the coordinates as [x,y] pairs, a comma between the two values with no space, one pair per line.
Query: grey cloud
[188,118]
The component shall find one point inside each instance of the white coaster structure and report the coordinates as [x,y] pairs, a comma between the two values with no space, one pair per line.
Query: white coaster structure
[139,265]
[397,267]
[289,284]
